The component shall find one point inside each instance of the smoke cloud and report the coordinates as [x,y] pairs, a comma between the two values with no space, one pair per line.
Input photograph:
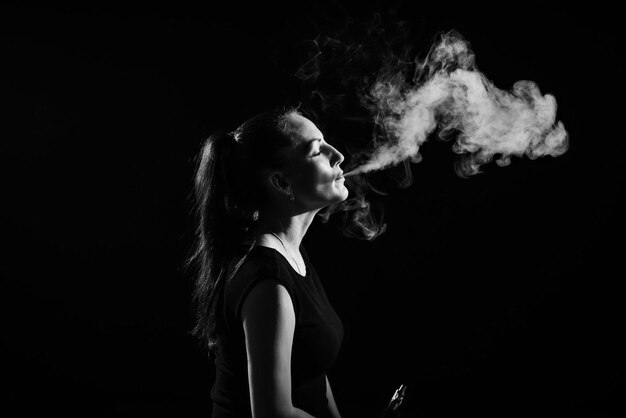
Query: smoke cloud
[449,95]
[403,102]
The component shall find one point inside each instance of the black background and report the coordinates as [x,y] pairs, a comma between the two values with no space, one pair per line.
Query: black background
[499,295]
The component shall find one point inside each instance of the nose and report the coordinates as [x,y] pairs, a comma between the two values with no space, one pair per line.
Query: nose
[337,157]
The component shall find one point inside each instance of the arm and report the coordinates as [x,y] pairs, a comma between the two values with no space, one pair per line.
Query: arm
[269,321]
[332,406]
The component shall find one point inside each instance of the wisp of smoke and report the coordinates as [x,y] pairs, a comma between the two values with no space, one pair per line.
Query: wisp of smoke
[448,94]
[444,96]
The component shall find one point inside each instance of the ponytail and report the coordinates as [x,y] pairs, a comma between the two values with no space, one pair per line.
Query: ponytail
[228,199]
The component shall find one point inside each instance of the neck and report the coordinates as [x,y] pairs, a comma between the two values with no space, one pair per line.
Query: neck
[290,229]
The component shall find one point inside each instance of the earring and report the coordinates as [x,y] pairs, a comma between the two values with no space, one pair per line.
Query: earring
[291,196]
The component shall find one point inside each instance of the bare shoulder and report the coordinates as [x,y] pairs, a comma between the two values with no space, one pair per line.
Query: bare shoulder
[267,299]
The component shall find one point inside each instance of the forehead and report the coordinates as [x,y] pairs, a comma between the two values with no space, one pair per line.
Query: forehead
[303,129]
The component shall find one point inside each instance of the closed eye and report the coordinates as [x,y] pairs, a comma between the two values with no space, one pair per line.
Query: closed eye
[321,148]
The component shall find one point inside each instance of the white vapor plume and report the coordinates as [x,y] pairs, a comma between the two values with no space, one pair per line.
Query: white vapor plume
[448,94]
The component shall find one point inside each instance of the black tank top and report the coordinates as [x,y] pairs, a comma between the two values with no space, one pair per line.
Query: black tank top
[317,338]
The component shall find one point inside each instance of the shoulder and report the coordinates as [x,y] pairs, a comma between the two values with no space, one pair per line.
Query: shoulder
[268,299]
[259,261]
[247,267]
[260,265]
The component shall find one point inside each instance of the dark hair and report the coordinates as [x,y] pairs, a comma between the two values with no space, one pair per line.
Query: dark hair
[228,197]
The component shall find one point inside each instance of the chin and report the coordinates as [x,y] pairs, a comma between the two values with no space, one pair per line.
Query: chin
[333,197]
[338,198]
[342,196]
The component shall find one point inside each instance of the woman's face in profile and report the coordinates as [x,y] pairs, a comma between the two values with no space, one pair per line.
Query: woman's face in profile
[314,171]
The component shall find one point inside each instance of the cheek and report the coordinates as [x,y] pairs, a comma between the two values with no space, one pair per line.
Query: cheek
[313,177]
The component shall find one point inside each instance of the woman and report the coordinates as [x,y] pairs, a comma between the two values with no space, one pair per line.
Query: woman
[261,307]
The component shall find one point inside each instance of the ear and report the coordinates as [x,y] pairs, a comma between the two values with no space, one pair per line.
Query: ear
[278,182]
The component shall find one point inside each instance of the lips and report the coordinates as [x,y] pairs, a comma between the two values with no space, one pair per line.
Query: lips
[339,176]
